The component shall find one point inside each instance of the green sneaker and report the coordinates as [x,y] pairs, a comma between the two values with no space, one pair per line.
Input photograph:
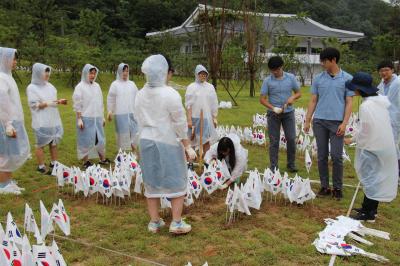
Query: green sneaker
[180,227]
[155,227]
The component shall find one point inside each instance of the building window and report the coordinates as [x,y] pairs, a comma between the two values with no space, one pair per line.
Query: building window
[316,50]
[301,50]
[261,49]
[195,48]
[188,49]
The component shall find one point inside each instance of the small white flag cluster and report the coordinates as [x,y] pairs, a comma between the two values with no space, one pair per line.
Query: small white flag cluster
[225,105]
[249,194]
[95,179]
[247,134]
[16,249]
[57,215]
[190,264]
[332,239]
[213,176]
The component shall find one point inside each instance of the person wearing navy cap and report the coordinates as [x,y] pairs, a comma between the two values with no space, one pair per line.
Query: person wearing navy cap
[376,155]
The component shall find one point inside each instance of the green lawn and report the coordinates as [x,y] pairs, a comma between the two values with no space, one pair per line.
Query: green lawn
[277,234]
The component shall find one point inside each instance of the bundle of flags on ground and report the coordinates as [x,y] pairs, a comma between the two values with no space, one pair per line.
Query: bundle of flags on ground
[97,180]
[225,105]
[190,264]
[16,248]
[332,239]
[249,195]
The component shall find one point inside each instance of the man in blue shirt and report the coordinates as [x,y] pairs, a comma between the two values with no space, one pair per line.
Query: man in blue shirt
[332,103]
[276,95]
[390,87]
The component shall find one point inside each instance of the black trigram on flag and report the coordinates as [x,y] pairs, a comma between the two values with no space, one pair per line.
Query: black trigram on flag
[41,255]
[5,243]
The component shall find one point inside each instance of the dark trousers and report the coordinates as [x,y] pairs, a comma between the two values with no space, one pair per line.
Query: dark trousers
[369,205]
[325,133]
[288,122]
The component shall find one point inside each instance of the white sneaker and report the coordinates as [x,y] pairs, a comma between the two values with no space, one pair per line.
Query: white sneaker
[16,185]
[11,188]
[179,227]
[155,227]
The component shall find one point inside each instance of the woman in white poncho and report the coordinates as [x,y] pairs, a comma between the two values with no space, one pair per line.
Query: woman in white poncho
[120,103]
[376,156]
[14,143]
[163,143]
[201,96]
[46,121]
[232,152]
[89,108]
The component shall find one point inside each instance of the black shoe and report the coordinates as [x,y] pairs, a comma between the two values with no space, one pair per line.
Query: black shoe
[105,162]
[337,194]
[292,169]
[41,170]
[362,216]
[51,166]
[324,192]
[87,164]
[359,210]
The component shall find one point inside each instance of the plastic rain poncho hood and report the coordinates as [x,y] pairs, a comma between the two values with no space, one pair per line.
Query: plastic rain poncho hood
[85,73]
[199,68]
[155,68]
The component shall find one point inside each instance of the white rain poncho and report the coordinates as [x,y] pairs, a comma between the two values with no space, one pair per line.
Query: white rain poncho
[121,102]
[88,100]
[376,159]
[162,123]
[241,155]
[46,122]
[202,96]
[13,151]
[392,91]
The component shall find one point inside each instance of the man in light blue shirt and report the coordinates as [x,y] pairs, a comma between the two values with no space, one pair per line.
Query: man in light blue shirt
[277,95]
[390,87]
[332,103]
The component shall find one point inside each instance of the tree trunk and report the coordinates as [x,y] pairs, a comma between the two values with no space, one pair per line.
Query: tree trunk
[252,88]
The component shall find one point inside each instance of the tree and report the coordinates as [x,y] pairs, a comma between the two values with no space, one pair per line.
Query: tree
[213,31]
[256,37]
